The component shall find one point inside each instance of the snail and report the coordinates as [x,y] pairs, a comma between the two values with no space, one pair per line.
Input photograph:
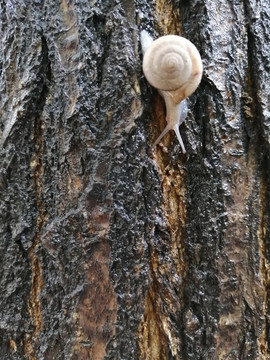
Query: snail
[173,65]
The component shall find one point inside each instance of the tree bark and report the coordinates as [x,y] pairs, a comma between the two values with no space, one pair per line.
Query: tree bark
[112,250]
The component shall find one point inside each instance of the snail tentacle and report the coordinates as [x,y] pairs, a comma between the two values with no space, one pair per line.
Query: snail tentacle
[164,132]
[177,132]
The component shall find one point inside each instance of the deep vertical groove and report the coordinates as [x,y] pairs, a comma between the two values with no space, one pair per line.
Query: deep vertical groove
[34,304]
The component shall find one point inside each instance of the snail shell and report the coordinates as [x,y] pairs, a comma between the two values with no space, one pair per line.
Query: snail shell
[173,65]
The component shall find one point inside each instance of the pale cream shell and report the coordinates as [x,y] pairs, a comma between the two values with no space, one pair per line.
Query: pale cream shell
[172,63]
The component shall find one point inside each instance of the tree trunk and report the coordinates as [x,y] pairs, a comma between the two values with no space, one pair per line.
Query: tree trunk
[111,249]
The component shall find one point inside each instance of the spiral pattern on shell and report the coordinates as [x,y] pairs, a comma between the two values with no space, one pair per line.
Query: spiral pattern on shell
[173,63]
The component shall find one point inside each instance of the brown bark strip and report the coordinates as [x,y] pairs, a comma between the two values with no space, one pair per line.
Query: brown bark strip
[156,336]
[152,340]
[264,271]
[34,305]
[167,18]
[97,308]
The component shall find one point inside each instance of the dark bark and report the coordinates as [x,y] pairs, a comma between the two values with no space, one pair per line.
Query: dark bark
[111,250]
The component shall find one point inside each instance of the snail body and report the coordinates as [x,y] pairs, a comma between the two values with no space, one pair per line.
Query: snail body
[173,65]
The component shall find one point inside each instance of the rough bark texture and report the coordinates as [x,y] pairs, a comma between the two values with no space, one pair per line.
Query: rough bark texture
[110,250]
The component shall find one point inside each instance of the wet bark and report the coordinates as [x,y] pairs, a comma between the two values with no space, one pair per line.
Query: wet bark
[111,250]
